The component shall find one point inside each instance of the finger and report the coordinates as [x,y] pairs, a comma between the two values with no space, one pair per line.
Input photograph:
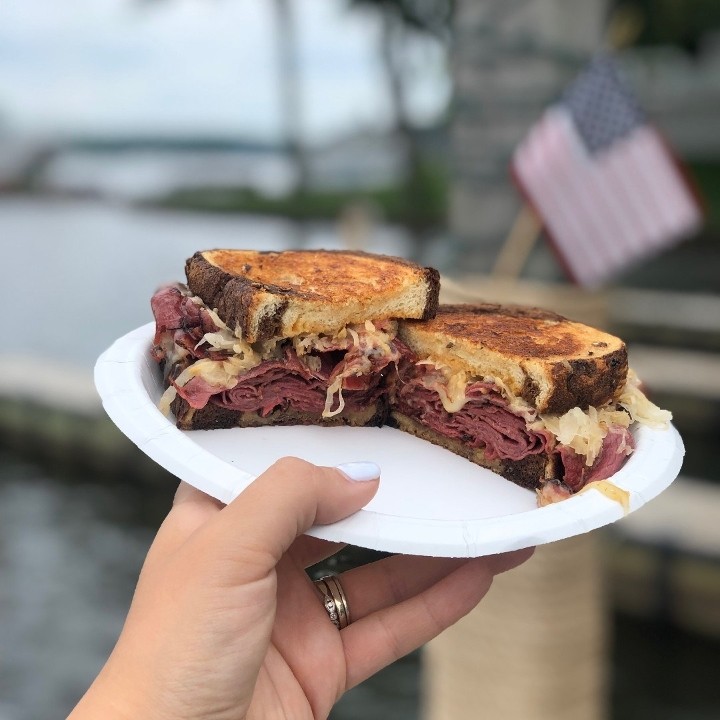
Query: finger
[190,510]
[187,495]
[306,638]
[256,528]
[392,580]
[387,635]
[508,561]
[307,551]
[389,581]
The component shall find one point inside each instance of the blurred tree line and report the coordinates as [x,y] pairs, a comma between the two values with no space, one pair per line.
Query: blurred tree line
[420,200]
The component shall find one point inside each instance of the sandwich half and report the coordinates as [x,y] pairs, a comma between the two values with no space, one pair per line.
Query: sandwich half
[543,401]
[277,338]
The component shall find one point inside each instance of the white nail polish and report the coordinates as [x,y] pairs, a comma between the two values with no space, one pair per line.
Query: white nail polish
[360,471]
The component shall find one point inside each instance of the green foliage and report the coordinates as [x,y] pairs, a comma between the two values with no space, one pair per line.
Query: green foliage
[422,203]
[707,178]
[675,22]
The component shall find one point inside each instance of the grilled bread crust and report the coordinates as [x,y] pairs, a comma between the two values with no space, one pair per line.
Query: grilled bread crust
[551,362]
[268,295]
[215,417]
[528,472]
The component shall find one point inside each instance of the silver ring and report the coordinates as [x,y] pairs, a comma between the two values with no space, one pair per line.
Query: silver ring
[334,600]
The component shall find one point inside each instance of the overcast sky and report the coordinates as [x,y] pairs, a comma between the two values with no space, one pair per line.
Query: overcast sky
[194,66]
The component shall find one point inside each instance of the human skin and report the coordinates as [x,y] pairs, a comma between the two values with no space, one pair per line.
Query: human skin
[225,623]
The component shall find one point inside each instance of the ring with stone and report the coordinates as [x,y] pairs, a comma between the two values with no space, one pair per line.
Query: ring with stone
[334,600]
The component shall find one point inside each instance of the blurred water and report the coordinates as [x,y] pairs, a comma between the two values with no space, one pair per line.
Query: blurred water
[77,275]
[133,172]
[143,174]
[80,273]
[71,548]
[69,557]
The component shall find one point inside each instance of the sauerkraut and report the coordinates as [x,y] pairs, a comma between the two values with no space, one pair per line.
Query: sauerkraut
[584,430]
[359,342]
[581,430]
[640,408]
[372,340]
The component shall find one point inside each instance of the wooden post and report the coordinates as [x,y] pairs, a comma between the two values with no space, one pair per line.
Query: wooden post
[534,649]
[518,245]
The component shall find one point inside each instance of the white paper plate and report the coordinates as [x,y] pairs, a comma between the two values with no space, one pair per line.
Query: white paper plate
[430,501]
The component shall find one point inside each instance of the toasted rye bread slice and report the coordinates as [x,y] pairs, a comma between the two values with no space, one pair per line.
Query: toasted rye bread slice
[215,417]
[552,363]
[267,295]
[528,472]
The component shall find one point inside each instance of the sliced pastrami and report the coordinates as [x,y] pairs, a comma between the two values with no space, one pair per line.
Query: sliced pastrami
[617,445]
[485,420]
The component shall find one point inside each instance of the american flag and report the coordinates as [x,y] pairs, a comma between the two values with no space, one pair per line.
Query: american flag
[602,179]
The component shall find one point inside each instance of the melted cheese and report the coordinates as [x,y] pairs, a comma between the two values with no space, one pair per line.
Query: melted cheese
[363,343]
[582,430]
[166,400]
[610,491]
[221,374]
[452,384]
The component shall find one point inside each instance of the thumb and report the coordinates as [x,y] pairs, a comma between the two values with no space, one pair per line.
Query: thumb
[285,501]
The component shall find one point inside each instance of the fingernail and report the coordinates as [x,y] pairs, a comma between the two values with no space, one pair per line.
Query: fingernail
[360,471]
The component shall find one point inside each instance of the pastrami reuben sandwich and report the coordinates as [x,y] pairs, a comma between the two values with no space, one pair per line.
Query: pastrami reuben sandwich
[340,338]
[545,402]
[278,338]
